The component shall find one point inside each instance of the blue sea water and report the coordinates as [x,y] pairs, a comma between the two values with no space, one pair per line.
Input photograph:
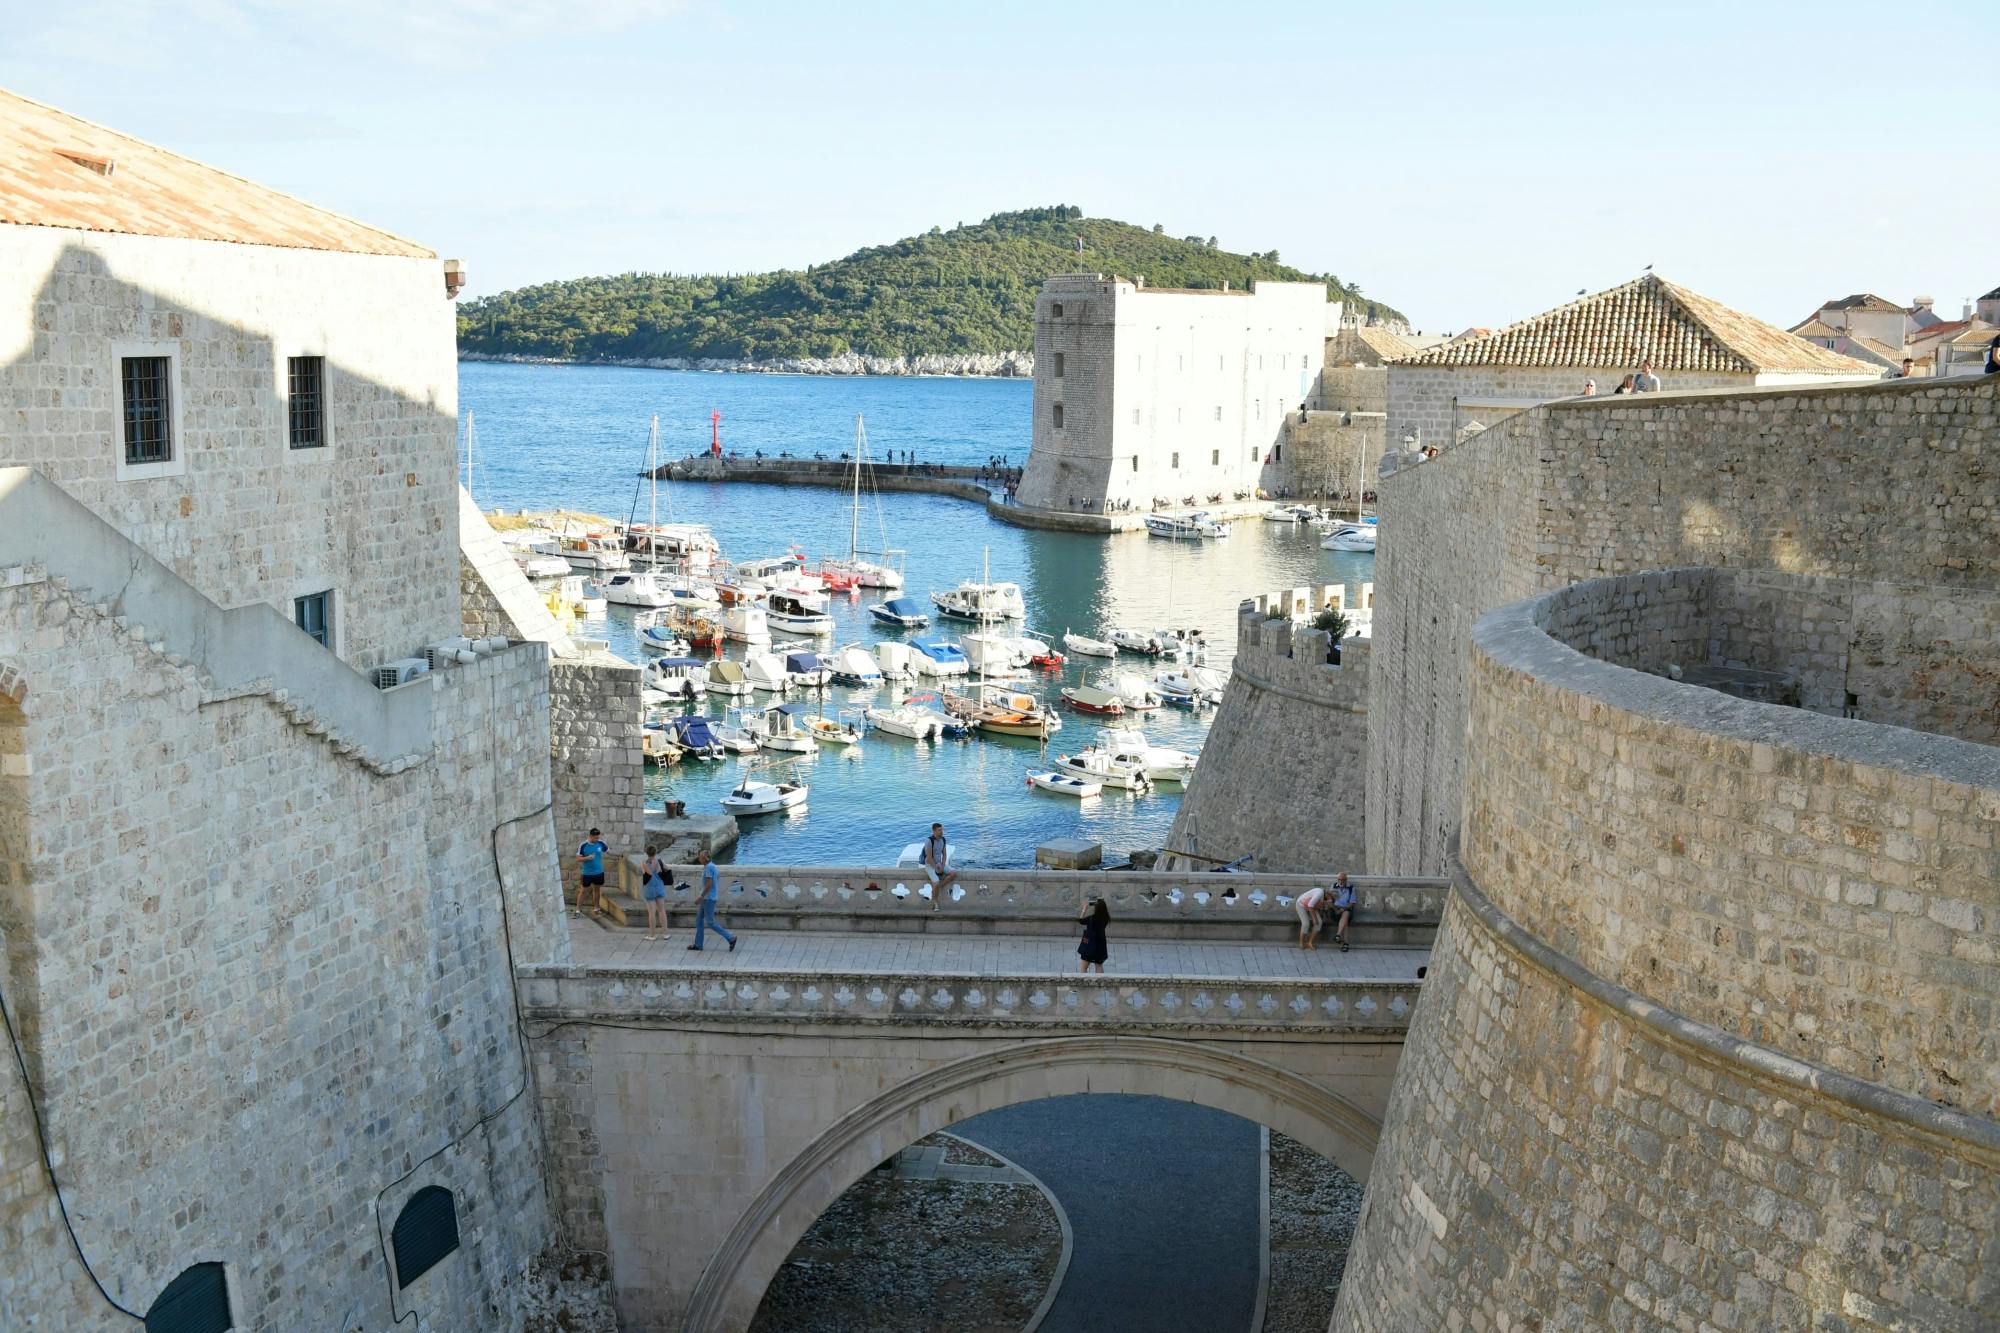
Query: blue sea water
[575,436]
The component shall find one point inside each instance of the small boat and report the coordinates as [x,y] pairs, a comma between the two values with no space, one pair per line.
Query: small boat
[584,597]
[657,745]
[1085,646]
[1293,514]
[897,660]
[1133,690]
[907,720]
[745,624]
[536,552]
[805,671]
[1095,765]
[592,552]
[1040,650]
[637,589]
[1187,528]
[696,735]
[733,737]
[902,612]
[771,567]
[1135,640]
[831,731]
[993,655]
[1004,713]
[691,593]
[783,728]
[1064,784]
[703,633]
[1351,537]
[766,671]
[798,613]
[1159,763]
[1190,686]
[1185,646]
[728,679]
[1090,699]
[764,798]
[938,657]
[662,639]
[853,666]
[678,677]
[981,602]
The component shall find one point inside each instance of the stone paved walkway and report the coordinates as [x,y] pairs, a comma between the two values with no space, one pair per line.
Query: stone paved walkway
[594,945]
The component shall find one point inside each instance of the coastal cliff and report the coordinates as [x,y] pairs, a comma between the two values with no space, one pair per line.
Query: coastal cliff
[994,365]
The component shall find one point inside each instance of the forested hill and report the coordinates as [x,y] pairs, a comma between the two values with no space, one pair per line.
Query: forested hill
[968,290]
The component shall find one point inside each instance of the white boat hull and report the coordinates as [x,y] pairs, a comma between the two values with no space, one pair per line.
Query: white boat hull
[1064,784]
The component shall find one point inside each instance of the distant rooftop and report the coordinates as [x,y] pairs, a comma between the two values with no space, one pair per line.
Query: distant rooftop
[1863,301]
[57,170]
[1647,319]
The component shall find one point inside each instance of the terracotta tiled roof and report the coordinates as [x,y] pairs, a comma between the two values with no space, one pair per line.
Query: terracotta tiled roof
[59,171]
[1367,344]
[1813,328]
[1946,329]
[1649,319]
[1863,301]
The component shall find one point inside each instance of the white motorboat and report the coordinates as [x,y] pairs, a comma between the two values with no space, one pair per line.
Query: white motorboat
[1064,784]
[1198,526]
[593,552]
[1135,640]
[728,679]
[805,671]
[992,654]
[908,721]
[770,568]
[764,798]
[902,612]
[780,727]
[637,588]
[696,736]
[1292,514]
[1198,686]
[844,730]
[690,592]
[662,639]
[1085,646]
[678,677]
[745,624]
[981,602]
[854,667]
[1096,765]
[798,613]
[897,660]
[766,671]
[937,657]
[1359,537]
[734,738]
[1186,646]
[1159,763]
[537,553]
[1131,689]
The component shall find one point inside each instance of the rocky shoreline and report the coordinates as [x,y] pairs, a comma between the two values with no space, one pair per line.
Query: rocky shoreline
[973,365]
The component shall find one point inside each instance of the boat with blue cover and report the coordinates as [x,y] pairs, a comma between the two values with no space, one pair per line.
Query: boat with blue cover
[902,612]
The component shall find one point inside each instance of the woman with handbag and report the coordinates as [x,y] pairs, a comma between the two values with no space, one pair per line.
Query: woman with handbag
[655,877]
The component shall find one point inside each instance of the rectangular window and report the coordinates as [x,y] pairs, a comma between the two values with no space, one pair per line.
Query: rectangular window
[1059,365]
[1260,409]
[1177,458]
[1135,416]
[1138,363]
[1218,413]
[1056,309]
[1180,362]
[305,399]
[147,385]
[1215,458]
[1135,462]
[1058,416]
[1253,455]
[313,613]
[1276,449]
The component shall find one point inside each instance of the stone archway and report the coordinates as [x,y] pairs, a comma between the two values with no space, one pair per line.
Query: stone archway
[733,1283]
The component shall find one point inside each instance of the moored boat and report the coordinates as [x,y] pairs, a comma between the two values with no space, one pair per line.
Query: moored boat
[843,730]
[1064,784]
[1132,689]
[1198,526]
[1358,537]
[696,735]
[805,671]
[897,660]
[902,612]
[728,679]
[766,671]
[1190,686]
[745,624]
[662,639]
[763,798]
[783,728]
[1134,640]
[1085,646]
[1003,712]
[798,613]
[678,677]
[908,721]
[1095,765]
[1160,763]
[1090,699]
[938,657]
[854,666]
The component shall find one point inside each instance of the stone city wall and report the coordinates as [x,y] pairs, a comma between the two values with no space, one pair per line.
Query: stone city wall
[265,989]
[1889,481]
[1290,736]
[1434,403]
[1712,1032]
[598,768]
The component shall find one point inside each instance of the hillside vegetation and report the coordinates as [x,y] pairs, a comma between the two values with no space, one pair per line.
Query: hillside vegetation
[970,289]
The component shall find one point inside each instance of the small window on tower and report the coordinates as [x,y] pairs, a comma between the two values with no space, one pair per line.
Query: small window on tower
[1059,357]
[1177,458]
[1058,416]
[1135,462]
[1056,310]
[1135,416]
[1218,412]
[1253,455]
[1215,458]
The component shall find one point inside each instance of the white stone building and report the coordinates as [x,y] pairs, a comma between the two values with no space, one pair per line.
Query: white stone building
[1144,394]
[258,914]
[1693,342]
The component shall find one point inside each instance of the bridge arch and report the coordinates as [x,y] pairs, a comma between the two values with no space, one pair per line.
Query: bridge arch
[733,1283]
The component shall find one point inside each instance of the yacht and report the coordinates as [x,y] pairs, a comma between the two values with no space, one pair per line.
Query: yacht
[729,680]
[853,666]
[902,612]
[798,613]
[1160,763]
[766,671]
[592,553]
[981,602]
[805,671]
[1085,646]
[897,660]
[1186,528]
[689,547]
[678,677]
[746,624]
[1351,537]
[763,798]
[1098,765]
[937,657]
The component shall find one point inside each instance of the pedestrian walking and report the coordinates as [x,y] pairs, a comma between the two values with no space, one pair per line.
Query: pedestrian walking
[1093,951]
[935,858]
[1343,908]
[590,871]
[704,917]
[655,877]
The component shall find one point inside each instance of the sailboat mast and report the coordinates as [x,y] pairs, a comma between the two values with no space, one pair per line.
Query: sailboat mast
[653,492]
[854,522]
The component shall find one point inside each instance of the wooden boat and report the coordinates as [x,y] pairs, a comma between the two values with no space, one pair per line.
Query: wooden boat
[1004,713]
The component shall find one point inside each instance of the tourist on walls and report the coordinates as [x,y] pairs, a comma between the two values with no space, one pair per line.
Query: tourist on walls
[1993,357]
[936,861]
[656,877]
[1308,905]
[1647,382]
[1093,950]
[1625,385]
[704,917]
[1343,905]
[590,867]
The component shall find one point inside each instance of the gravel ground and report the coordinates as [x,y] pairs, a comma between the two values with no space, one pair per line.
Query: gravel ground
[918,1256]
[958,1151]
[1314,1206]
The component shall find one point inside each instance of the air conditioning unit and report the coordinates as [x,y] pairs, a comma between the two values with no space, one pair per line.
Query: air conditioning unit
[448,652]
[399,672]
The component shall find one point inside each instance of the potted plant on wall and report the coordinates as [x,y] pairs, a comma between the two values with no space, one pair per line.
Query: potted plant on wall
[1334,622]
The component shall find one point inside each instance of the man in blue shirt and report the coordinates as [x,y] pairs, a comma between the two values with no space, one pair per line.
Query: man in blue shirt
[590,862]
[704,920]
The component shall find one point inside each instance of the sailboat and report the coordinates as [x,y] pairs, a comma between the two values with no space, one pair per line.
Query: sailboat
[884,572]
[1360,535]
[643,587]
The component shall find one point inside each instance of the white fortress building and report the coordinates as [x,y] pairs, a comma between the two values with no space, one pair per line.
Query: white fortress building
[1146,395]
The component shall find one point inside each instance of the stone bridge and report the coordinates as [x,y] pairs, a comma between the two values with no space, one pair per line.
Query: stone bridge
[704,1108]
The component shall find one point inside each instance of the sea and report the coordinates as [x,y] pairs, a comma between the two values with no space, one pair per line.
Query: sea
[576,437]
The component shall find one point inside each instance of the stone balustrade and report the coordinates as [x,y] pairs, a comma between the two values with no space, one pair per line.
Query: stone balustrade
[1152,1005]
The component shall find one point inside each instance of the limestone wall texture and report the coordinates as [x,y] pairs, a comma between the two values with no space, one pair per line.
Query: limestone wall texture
[244,517]
[264,988]
[598,772]
[1710,1039]
[1436,402]
[1290,735]
[1892,481]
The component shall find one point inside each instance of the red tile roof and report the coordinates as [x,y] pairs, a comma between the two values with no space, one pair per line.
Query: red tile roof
[1648,319]
[57,170]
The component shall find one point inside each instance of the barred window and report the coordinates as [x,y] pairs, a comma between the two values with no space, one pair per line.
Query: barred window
[195,1302]
[305,395]
[425,1232]
[148,393]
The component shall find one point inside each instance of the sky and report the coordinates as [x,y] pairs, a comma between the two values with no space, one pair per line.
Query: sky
[1470,164]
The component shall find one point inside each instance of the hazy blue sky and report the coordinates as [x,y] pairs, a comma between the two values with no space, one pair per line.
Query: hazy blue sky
[1470,163]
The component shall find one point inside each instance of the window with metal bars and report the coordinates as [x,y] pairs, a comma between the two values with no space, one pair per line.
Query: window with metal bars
[195,1302]
[425,1232]
[147,386]
[305,397]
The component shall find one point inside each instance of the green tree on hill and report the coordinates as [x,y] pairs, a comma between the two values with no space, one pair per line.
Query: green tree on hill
[971,289]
